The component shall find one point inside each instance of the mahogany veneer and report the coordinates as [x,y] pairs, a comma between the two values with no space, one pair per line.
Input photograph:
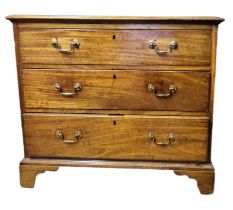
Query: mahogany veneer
[124,92]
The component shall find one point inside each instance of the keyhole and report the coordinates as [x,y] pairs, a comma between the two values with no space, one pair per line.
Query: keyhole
[114,76]
[114,122]
[113,37]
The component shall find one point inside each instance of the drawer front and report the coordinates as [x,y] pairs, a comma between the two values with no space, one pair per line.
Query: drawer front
[116,137]
[115,47]
[112,90]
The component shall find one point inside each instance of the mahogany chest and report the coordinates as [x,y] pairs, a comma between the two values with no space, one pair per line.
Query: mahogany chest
[125,92]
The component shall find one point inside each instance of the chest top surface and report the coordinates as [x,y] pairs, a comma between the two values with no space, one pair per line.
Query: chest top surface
[165,19]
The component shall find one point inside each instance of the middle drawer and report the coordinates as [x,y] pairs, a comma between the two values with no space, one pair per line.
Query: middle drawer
[115,90]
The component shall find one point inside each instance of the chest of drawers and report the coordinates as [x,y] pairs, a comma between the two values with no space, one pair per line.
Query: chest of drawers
[125,92]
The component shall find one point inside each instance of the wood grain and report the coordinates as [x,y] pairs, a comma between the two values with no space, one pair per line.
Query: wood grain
[114,110]
[204,178]
[28,173]
[119,26]
[116,137]
[115,67]
[18,61]
[213,70]
[132,19]
[117,112]
[118,164]
[129,47]
[202,173]
[115,90]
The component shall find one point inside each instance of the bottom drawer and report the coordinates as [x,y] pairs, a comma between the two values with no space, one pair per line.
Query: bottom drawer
[116,137]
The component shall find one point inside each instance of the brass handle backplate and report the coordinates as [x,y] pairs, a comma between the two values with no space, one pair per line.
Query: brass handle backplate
[154,45]
[73,45]
[170,139]
[77,87]
[171,91]
[78,135]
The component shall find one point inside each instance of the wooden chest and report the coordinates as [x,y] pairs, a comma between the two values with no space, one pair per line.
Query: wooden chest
[129,92]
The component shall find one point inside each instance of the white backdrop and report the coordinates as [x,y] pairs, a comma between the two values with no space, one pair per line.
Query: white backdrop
[92,188]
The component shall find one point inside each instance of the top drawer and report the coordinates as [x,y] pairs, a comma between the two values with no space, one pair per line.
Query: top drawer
[115,47]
